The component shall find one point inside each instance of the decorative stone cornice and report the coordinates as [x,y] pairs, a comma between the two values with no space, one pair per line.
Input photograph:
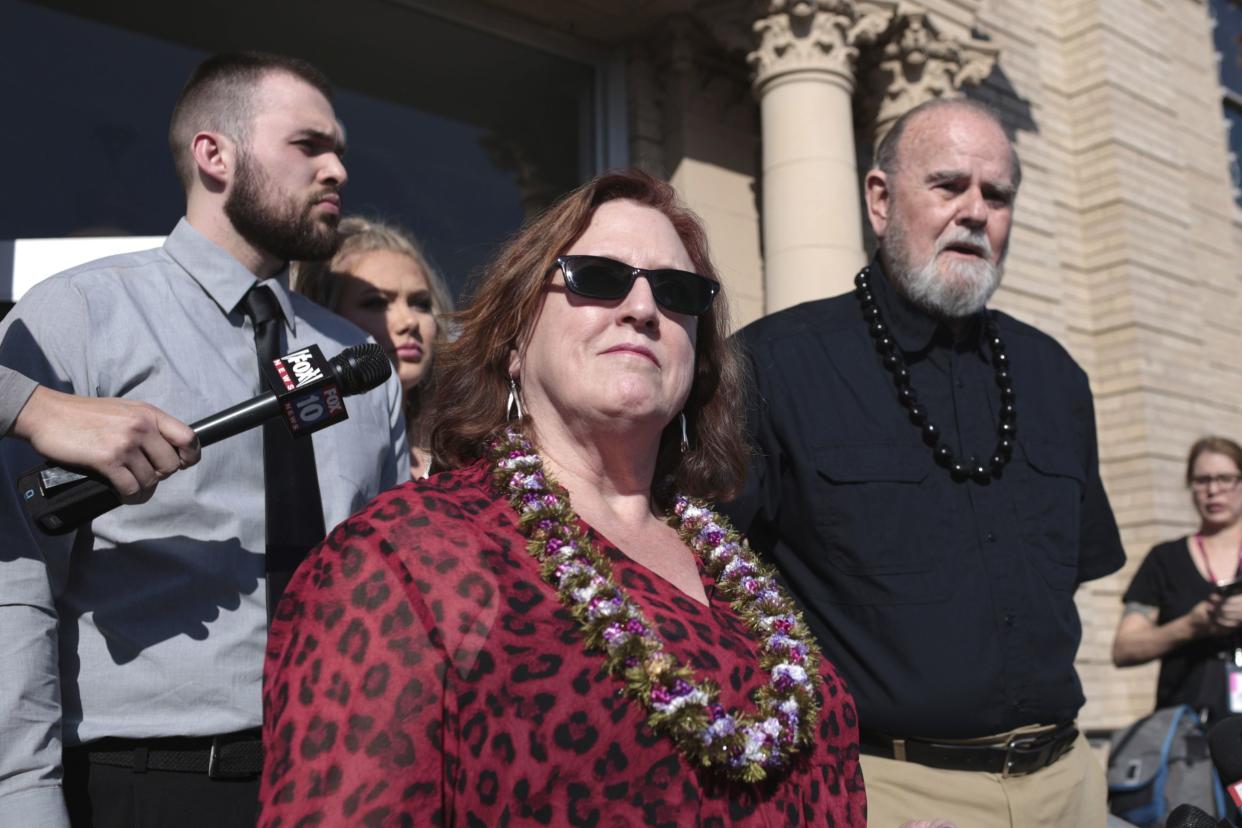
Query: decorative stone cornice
[873,20]
[890,50]
[912,62]
[804,35]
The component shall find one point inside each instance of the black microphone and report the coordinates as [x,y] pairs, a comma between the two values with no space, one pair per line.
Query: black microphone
[1225,743]
[1191,816]
[306,393]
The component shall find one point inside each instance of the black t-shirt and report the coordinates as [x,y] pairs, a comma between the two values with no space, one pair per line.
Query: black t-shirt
[1194,673]
[948,607]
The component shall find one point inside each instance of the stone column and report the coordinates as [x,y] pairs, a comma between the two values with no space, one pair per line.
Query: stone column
[804,80]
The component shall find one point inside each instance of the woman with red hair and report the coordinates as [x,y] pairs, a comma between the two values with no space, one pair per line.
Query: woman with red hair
[559,630]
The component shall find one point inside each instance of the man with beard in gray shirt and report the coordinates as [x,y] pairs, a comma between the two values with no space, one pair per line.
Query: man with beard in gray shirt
[133,649]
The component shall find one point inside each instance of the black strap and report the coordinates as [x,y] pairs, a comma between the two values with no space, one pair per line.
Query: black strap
[291,487]
[228,756]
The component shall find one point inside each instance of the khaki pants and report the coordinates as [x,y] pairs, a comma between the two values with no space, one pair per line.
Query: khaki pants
[1070,793]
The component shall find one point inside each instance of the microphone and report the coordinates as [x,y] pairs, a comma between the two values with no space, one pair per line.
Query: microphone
[306,392]
[1191,816]
[1225,744]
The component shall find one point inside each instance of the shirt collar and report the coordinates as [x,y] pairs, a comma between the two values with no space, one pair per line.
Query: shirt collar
[913,328]
[224,278]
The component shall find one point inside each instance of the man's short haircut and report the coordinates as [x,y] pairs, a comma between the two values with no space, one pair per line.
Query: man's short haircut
[219,97]
[887,156]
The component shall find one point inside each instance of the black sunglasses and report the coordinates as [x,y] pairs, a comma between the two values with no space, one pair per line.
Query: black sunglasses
[675,290]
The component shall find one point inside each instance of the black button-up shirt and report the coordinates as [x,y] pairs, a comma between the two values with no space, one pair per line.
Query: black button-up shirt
[948,607]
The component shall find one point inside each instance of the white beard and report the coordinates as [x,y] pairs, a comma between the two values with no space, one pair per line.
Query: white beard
[951,289]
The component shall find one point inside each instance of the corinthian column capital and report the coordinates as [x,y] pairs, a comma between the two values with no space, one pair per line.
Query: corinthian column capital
[798,36]
[913,62]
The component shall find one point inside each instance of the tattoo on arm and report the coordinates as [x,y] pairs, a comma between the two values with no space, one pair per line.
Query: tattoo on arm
[1149,612]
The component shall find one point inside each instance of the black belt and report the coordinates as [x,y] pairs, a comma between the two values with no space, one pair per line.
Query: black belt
[1013,756]
[228,756]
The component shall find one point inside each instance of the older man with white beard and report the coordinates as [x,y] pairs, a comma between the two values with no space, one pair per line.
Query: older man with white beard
[933,536]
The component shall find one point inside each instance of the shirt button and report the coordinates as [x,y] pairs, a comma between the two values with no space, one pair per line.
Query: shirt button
[1008,620]
[991,537]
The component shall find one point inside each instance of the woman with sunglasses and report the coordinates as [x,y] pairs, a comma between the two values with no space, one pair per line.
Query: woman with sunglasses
[559,630]
[1184,605]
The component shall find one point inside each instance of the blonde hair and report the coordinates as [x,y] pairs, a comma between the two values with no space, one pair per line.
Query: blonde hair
[321,283]
[318,280]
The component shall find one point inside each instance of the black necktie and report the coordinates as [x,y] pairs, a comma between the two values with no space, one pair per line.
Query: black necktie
[290,485]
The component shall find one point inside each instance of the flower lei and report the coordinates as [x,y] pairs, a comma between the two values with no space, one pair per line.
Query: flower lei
[743,746]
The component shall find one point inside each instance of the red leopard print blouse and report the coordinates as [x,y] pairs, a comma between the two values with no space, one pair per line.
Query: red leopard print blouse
[419,672]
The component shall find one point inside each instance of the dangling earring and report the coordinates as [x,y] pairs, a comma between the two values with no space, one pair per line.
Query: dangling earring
[514,401]
[685,439]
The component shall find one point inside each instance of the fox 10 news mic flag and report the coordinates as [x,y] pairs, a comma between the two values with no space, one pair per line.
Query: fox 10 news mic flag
[305,385]
[306,393]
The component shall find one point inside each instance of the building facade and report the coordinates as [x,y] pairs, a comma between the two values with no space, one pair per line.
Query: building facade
[464,117]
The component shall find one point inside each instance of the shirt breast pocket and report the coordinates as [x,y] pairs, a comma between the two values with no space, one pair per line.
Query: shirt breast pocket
[1049,507]
[883,527]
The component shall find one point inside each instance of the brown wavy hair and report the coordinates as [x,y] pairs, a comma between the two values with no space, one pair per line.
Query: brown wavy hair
[474,369]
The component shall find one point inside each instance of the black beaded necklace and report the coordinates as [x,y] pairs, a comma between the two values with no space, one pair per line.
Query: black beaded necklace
[972,469]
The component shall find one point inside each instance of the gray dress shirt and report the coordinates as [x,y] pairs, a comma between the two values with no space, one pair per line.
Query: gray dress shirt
[15,390]
[153,621]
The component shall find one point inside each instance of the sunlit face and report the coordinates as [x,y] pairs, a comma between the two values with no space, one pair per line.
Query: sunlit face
[945,213]
[596,363]
[386,294]
[285,195]
[1218,504]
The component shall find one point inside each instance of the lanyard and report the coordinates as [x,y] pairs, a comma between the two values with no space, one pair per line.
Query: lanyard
[1208,564]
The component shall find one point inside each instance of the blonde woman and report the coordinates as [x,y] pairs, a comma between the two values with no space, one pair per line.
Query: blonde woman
[382,281]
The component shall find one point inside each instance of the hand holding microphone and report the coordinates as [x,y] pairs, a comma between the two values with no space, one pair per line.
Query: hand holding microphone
[307,393]
[132,444]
